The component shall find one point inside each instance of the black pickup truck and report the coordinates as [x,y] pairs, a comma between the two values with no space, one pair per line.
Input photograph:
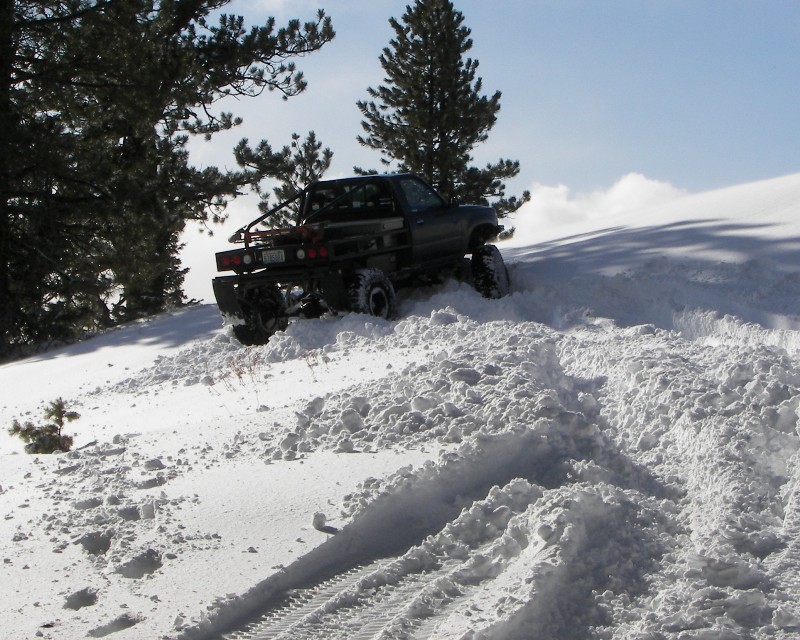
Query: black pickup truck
[356,240]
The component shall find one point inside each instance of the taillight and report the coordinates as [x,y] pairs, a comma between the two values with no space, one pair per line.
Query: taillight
[235,260]
[230,261]
[312,253]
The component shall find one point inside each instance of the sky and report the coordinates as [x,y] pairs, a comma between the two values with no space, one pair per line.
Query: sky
[699,94]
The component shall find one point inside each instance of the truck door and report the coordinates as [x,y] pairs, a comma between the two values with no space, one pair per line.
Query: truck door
[436,228]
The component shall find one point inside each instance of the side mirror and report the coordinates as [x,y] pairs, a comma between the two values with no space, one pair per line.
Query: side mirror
[455,202]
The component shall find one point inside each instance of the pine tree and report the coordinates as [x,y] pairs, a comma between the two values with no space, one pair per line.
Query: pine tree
[7,146]
[430,114]
[306,162]
[50,437]
[98,100]
[294,167]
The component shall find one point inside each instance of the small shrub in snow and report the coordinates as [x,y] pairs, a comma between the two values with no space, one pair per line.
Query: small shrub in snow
[47,438]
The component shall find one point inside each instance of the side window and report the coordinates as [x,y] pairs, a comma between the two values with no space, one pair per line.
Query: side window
[419,195]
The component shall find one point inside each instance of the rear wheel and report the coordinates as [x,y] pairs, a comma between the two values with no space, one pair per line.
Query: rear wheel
[489,273]
[265,314]
[371,292]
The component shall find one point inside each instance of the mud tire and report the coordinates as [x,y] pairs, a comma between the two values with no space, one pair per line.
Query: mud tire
[371,292]
[489,273]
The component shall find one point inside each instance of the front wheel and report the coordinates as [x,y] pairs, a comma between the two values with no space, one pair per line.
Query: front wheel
[489,273]
[371,292]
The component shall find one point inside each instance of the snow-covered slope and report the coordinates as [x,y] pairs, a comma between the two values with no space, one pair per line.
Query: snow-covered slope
[609,452]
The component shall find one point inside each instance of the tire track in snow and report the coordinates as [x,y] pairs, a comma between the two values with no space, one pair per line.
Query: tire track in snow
[507,503]
[297,605]
[518,436]
[350,606]
[554,556]
[417,506]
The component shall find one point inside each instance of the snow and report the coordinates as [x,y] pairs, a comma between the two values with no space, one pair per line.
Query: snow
[611,451]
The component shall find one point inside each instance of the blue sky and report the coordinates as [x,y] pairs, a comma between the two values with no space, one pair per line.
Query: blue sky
[700,94]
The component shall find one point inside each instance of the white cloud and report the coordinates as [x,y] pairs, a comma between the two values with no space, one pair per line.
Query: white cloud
[554,206]
[632,191]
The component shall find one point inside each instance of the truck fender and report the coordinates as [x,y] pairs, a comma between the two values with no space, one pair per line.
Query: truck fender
[482,234]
